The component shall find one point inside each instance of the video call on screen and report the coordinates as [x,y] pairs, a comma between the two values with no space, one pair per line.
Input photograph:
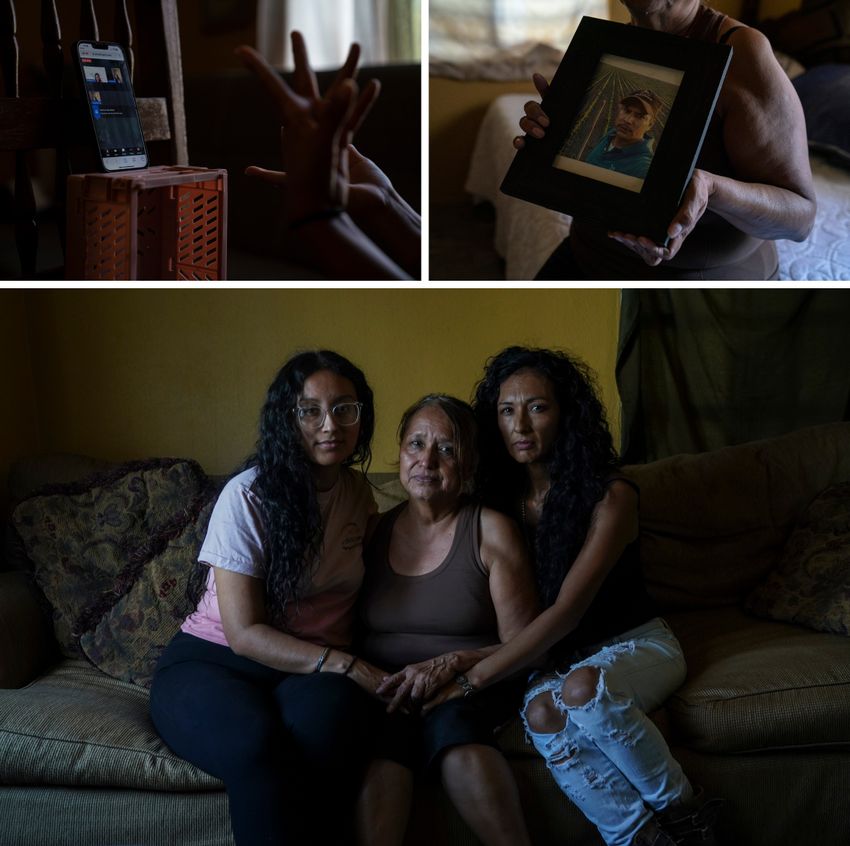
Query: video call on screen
[112,106]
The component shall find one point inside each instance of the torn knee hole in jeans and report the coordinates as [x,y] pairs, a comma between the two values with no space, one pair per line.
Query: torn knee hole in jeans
[569,760]
[622,737]
[564,708]
[564,756]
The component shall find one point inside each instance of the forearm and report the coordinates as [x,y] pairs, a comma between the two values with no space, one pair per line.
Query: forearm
[397,229]
[263,643]
[526,649]
[337,248]
[464,659]
[763,211]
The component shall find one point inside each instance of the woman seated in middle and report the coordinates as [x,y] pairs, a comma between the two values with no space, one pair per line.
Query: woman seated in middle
[446,580]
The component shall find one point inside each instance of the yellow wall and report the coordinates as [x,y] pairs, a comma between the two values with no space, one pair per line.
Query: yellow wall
[132,374]
[19,433]
[455,111]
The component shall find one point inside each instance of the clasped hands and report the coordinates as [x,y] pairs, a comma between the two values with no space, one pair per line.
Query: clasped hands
[693,207]
[421,687]
[323,170]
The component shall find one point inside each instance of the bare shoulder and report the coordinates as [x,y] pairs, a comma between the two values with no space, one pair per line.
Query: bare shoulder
[764,128]
[616,514]
[498,526]
[620,497]
[501,540]
[754,71]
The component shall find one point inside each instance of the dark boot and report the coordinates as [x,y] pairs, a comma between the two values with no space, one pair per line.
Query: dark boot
[652,835]
[691,823]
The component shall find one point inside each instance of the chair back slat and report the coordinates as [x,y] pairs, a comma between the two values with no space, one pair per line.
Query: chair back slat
[9,47]
[51,47]
[54,66]
[31,123]
[124,33]
[26,229]
[165,73]
[88,21]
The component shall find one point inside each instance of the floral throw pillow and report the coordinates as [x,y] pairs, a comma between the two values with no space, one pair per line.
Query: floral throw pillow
[78,537]
[811,584]
[128,640]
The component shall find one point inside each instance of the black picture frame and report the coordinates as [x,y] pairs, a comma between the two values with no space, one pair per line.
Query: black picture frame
[606,61]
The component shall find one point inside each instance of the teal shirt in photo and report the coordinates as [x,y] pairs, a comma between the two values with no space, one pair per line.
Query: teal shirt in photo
[633,160]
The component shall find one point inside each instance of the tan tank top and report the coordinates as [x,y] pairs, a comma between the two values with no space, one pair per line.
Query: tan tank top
[413,618]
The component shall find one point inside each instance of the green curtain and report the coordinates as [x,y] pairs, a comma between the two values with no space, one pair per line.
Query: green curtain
[405,30]
[699,370]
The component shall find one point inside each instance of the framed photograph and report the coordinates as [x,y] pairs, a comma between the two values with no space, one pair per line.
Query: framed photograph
[628,109]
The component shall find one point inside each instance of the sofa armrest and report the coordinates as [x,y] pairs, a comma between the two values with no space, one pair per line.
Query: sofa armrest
[26,640]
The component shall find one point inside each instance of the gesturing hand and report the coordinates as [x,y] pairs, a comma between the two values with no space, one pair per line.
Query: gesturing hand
[318,129]
[368,186]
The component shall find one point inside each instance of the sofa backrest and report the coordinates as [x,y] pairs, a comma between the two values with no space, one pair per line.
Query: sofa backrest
[714,524]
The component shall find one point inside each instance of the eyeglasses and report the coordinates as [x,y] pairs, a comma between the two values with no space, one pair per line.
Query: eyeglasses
[313,416]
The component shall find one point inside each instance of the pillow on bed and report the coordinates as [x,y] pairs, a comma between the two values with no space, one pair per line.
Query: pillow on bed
[816,33]
[824,91]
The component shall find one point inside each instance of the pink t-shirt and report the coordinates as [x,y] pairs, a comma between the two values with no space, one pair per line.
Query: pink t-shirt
[235,541]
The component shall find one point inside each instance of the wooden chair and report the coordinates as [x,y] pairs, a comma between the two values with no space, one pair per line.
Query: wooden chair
[51,116]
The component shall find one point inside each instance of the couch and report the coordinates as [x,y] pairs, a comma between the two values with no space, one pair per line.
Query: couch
[730,544]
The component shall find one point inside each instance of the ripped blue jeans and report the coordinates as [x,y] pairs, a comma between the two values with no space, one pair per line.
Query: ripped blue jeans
[610,759]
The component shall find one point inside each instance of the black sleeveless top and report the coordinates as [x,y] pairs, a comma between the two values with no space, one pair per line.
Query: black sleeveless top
[715,249]
[622,603]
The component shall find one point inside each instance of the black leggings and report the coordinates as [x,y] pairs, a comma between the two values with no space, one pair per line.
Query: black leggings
[289,748]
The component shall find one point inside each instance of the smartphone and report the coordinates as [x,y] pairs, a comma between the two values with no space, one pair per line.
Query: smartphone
[111,105]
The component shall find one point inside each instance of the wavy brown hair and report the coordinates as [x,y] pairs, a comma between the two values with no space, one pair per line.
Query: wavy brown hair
[582,459]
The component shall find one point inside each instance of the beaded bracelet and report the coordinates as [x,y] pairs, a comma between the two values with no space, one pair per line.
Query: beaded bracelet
[321,662]
[465,684]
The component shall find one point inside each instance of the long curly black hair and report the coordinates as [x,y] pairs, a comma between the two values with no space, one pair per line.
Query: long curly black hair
[284,480]
[582,458]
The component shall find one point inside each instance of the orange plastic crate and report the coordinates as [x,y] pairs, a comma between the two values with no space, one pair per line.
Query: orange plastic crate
[161,223]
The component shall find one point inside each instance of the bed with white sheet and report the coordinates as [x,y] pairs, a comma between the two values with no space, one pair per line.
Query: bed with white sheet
[526,234]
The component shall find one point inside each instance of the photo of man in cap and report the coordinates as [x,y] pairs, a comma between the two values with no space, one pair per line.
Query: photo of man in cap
[625,147]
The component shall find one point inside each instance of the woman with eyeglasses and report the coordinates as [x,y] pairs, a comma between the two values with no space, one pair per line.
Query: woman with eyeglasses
[259,688]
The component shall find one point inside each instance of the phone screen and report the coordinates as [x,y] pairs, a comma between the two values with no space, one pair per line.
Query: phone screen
[109,93]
